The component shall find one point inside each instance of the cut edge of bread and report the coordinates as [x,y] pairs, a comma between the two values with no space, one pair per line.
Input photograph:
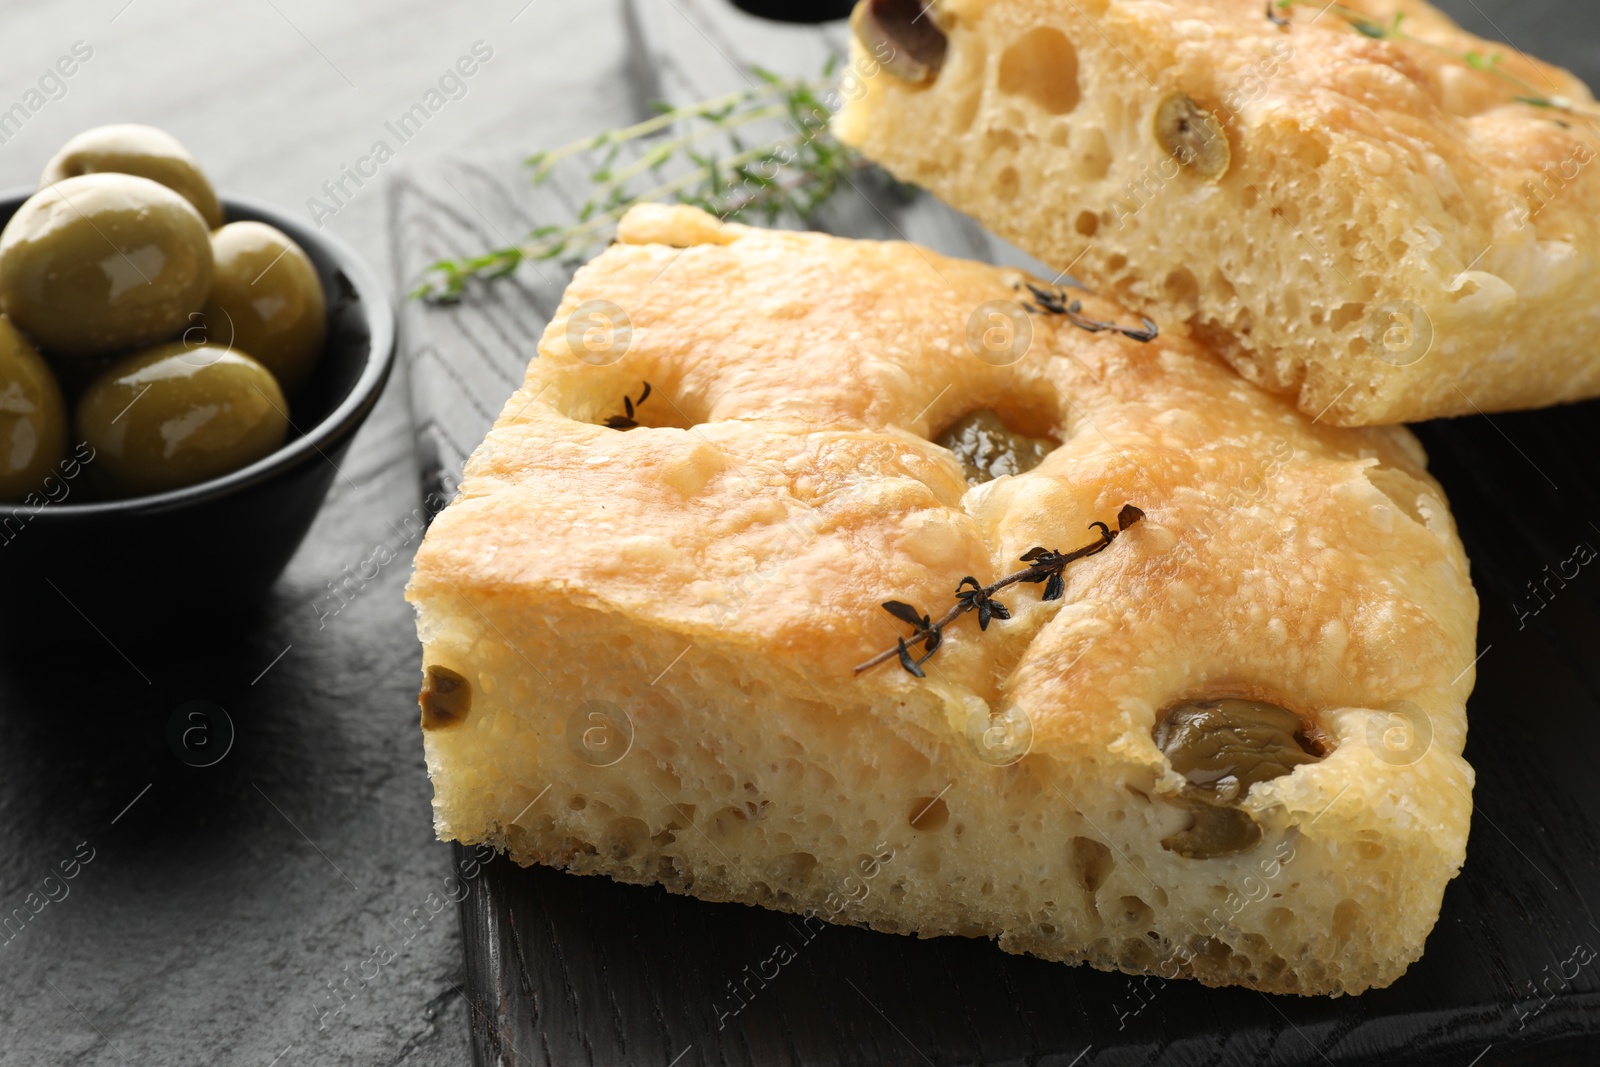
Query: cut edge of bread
[1395,239]
[739,775]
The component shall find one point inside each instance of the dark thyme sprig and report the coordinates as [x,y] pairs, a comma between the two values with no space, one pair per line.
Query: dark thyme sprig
[626,422]
[1044,565]
[1055,302]
[1527,93]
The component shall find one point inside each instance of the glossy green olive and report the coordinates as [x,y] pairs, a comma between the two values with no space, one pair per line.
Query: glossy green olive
[142,150]
[988,448]
[1222,748]
[103,262]
[177,414]
[33,417]
[903,36]
[266,300]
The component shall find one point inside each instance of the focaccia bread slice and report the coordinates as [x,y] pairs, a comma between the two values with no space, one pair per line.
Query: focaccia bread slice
[1226,745]
[1381,226]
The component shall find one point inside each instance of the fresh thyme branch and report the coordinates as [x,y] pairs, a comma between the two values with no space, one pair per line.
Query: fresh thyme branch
[1054,301]
[763,175]
[1044,565]
[1393,30]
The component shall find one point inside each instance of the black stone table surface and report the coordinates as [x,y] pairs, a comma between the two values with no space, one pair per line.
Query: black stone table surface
[228,911]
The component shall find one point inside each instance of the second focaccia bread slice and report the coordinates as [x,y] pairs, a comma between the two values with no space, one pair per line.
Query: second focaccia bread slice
[642,615]
[1370,225]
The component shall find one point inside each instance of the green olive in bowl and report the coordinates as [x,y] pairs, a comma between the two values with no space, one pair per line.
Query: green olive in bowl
[178,414]
[266,301]
[33,417]
[103,262]
[142,150]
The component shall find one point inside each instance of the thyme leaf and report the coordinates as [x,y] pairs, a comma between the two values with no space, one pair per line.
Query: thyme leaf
[978,598]
[905,613]
[626,421]
[907,662]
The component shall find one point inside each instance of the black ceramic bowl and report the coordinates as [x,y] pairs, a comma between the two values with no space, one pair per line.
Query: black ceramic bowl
[798,10]
[220,544]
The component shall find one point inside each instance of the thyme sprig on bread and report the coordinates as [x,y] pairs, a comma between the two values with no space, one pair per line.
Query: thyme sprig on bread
[1046,565]
[627,421]
[1054,301]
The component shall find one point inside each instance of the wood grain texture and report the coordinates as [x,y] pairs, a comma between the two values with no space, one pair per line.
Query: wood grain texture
[564,970]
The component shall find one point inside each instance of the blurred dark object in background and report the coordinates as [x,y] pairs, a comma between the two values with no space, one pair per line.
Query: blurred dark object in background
[797,10]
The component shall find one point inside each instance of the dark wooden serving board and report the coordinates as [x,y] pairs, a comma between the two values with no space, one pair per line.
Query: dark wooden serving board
[567,970]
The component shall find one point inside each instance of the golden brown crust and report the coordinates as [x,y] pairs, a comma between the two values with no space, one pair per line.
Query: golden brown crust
[1368,179]
[783,484]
